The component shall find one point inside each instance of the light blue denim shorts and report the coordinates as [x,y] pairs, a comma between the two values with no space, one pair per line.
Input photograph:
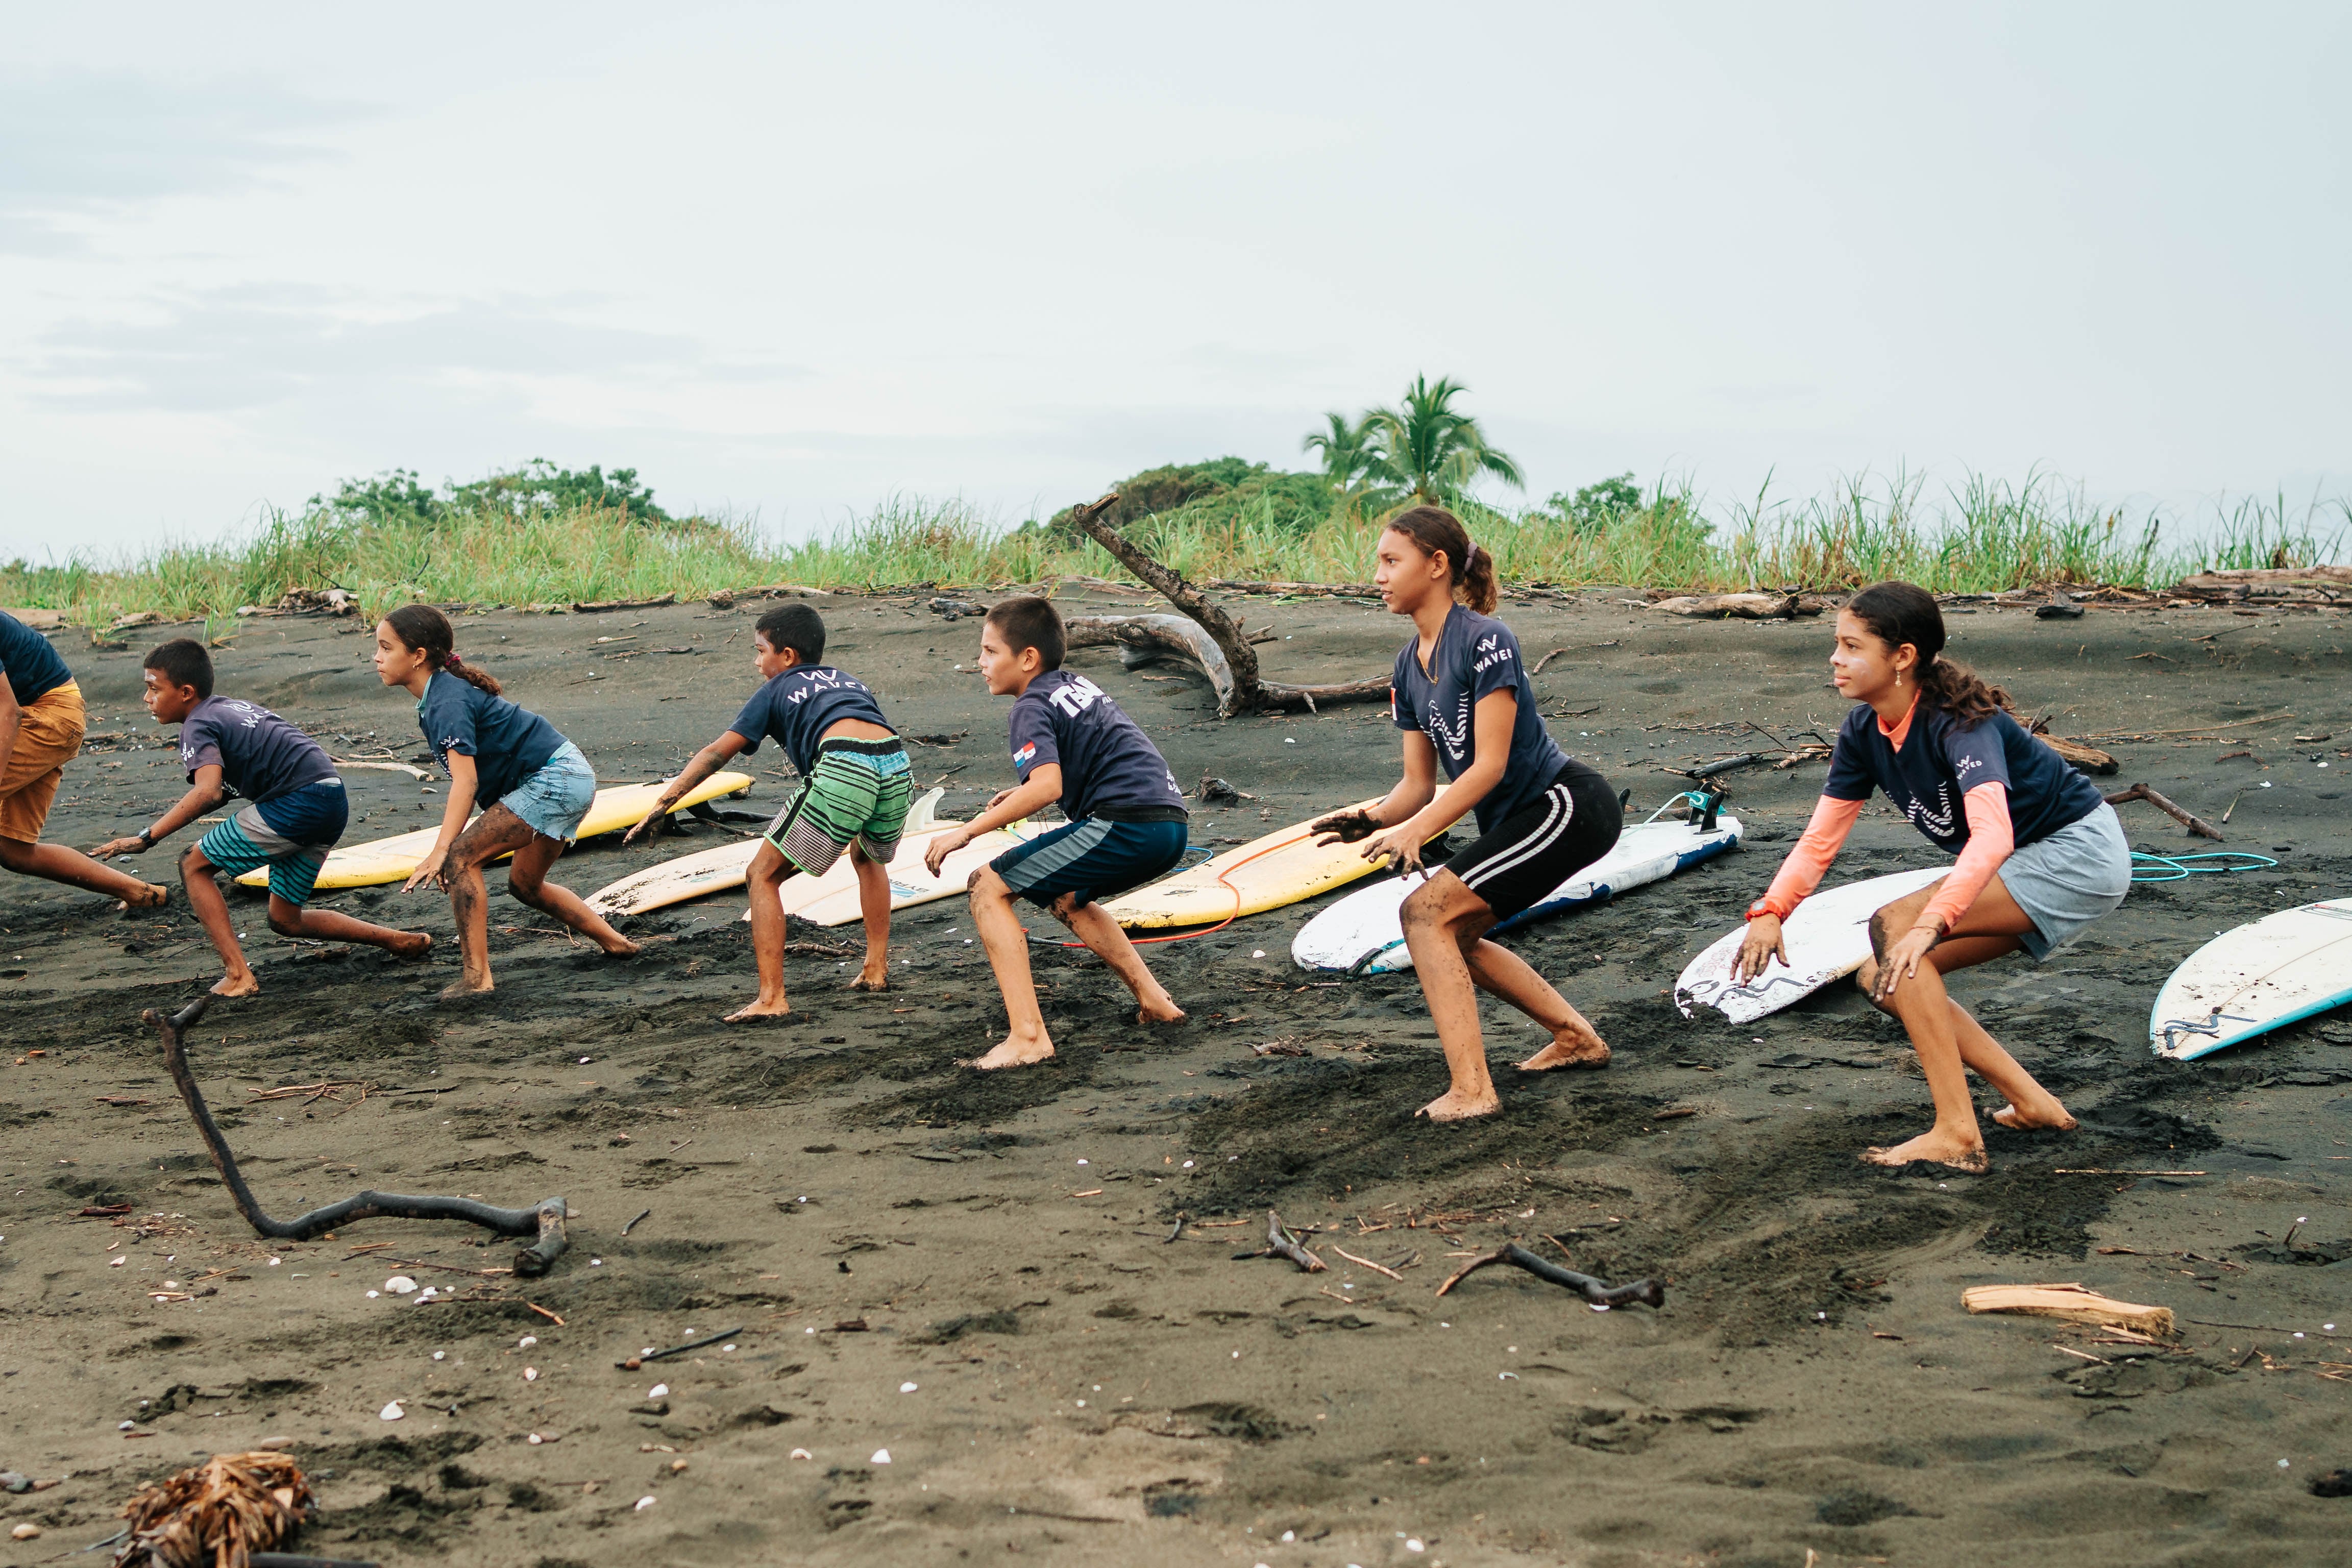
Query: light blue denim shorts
[2067,880]
[555,799]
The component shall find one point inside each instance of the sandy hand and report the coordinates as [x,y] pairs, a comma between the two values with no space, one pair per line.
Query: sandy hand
[1344,827]
[1763,943]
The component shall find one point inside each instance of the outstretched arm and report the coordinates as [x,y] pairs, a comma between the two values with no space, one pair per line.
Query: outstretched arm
[203,796]
[706,761]
[1491,722]
[1042,789]
[1799,874]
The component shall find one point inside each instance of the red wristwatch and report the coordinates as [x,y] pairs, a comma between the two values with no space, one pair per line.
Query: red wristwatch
[1761,908]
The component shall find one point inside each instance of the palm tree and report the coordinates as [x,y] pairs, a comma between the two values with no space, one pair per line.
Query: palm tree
[1428,449]
[1349,449]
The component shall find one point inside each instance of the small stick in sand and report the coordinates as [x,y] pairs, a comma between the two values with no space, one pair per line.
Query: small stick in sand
[1280,1242]
[1368,1263]
[635,1361]
[2196,825]
[1648,1292]
[645,1214]
[1175,1230]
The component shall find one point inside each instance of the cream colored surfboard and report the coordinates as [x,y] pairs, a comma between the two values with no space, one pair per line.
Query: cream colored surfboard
[725,867]
[1278,868]
[392,859]
[832,899]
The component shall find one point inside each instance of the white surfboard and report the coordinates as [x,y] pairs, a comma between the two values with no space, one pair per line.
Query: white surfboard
[2252,979]
[1827,936]
[911,883]
[1365,928]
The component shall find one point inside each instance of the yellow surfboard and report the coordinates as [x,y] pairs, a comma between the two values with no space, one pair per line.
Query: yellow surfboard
[1281,868]
[392,859]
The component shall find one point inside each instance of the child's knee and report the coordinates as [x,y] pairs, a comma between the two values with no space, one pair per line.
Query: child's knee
[194,863]
[988,886]
[527,889]
[285,919]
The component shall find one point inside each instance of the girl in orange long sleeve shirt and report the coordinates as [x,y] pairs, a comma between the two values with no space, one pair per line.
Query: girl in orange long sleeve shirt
[2041,855]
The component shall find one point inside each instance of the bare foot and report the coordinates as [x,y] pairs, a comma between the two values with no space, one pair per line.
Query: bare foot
[1456,1106]
[2052,1116]
[620,947]
[230,986]
[779,1008]
[457,990]
[1935,1147]
[870,979]
[1012,1053]
[1149,1015]
[411,944]
[1574,1047]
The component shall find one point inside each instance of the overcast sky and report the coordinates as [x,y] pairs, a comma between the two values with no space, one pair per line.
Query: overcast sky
[787,260]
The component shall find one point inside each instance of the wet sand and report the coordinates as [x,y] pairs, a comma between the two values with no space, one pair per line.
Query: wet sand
[861,1215]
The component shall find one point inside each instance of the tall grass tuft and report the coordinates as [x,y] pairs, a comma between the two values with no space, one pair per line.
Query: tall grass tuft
[1982,535]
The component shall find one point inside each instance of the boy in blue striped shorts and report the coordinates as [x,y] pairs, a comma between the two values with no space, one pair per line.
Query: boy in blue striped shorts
[295,812]
[856,792]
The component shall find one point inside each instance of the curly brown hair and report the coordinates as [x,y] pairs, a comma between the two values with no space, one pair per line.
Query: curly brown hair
[1435,530]
[428,631]
[1899,613]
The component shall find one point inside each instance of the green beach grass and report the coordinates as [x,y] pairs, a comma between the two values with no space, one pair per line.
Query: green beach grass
[478,545]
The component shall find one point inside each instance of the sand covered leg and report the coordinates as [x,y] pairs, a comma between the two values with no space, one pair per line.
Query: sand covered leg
[1026,1042]
[1575,1043]
[1099,930]
[526,881]
[874,908]
[1438,917]
[211,910]
[768,872]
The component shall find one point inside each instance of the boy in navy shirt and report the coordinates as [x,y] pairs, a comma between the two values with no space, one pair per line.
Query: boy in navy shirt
[295,811]
[857,790]
[1071,744]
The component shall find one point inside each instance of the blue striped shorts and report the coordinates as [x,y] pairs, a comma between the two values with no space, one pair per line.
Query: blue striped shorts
[291,835]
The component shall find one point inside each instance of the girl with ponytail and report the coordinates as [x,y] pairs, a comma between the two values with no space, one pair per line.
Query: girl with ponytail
[1461,695]
[2041,855]
[532,785]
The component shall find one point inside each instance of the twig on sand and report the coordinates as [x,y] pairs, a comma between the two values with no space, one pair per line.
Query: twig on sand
[2196,825]
[545,1220]
[635,1361]
[645,1214]
[544,1312]
[1368,1263]
[1648,1292]
[1280,1242]
[1546,660]
[1174,1230]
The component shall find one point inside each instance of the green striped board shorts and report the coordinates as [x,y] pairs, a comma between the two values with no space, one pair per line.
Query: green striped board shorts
[860,791]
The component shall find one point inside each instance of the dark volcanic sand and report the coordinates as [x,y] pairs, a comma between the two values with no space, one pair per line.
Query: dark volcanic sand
[1087,1392]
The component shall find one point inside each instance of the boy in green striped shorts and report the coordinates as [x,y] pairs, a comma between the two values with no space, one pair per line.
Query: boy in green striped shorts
[854,796]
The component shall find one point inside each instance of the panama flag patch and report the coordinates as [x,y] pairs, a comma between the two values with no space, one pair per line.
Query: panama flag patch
[1021,759]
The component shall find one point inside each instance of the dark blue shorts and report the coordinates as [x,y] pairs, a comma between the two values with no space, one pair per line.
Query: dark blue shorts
[1091,857]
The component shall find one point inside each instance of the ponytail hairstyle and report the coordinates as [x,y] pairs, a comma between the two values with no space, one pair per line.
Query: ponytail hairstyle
[427,630]
[1435,530]
[1899,613]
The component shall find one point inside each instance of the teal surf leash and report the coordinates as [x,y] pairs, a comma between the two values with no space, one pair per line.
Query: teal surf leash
[2148,867]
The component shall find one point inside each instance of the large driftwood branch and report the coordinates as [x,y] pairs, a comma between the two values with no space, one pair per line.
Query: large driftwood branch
[1248,690]
[544,1220]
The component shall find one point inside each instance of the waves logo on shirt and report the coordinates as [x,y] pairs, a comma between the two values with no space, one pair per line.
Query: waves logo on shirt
[1491,653]
[1022,758]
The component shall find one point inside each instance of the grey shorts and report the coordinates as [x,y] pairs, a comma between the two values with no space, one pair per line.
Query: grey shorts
[2067,880]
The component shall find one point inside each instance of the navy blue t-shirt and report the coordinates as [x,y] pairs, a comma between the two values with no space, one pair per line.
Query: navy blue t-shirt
[798,707]
[507,743]
[260,755]
[1109,767]
[1940,762]
[1476,656]
[32,665]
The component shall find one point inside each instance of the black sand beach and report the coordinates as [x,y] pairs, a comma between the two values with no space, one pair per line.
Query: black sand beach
[977,1274]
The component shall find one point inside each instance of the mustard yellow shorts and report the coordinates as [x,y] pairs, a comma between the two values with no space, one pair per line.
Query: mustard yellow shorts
[48,736]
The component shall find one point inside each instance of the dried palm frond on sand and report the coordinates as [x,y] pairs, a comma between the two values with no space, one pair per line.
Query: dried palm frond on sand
[217,1514]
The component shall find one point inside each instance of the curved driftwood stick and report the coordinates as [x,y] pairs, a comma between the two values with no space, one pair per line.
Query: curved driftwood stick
[2196,825]
[1247,691]
[1280,1242]
[544,1220]
[1648,1292]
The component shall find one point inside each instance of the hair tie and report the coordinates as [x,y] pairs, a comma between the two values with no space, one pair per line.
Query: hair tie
[450,660]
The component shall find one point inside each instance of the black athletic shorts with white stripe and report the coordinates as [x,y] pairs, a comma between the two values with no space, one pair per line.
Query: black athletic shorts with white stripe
[1543,844]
